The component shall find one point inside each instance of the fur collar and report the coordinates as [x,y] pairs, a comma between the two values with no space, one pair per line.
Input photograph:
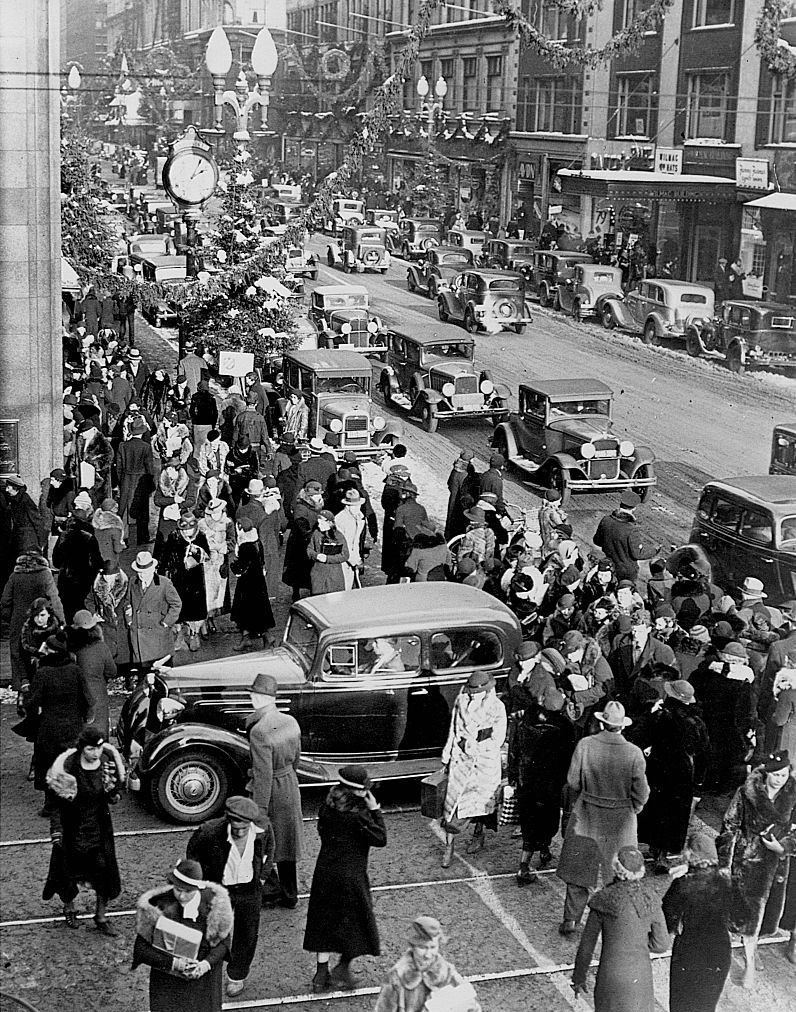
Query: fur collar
[105,520]
[30,564]
[618,896]
[63,783]
[770,811]
[440,974]
[215,905]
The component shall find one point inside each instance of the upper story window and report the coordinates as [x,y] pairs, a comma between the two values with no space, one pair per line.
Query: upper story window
[635,101]
[782,117]
[551,21]
[707,106]
[469,83]
[494,83]
[713,12]
[557,109]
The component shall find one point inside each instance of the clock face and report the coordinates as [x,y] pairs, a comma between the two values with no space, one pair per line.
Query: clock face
[190,177]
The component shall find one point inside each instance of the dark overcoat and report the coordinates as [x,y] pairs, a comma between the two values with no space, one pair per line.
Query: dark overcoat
[77,556]
[136,470]
[96,662]
[327,577]
[62,702]
[30,579]
[340,913]
[275,743]
[729,714]
[167,991]
[189,583]
[752,865]
[251,607]
[297,565]
[678,741]
[697,911]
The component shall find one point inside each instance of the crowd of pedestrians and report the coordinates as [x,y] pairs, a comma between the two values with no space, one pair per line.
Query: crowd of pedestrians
[184,509]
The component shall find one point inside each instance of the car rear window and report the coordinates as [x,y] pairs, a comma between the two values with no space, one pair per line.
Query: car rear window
[694,298]
[603,276]
[523,251]
[456,259]
[367,237]
[426,228]
[504,285]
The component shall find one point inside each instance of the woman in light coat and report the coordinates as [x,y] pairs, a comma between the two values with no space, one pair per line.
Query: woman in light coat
[219,531]
[472,757]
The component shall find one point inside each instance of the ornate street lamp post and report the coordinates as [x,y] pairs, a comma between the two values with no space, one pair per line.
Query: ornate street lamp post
[433,108]
[218,59]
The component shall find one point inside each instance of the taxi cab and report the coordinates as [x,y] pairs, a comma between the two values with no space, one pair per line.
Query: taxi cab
[370,679]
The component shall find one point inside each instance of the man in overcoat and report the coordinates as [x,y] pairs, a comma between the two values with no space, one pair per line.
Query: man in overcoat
[608,787]
[619,537]
[136,471]
[233,851]
[151,607]
[275,743]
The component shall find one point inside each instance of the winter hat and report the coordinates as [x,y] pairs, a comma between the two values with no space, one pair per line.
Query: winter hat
[355,776]
[466,566]
[629,499]
[313,488]
[108,505]
[187,875]
[466,455]
[572,641]
[527,650]
[138,427]
[552,495]
[265,685]
[553,700]
[688,613]
[90,736]
[425,929]
[629,864]
[701,850]
[734,651]
[776,761]
[83,619]
[242,809]
[726,604]
[699,633]
[566,601]
[82,501]
[479,681]
[554,659]
[327,515]
[58,474]
[86,425]
[664,611]
[680,690]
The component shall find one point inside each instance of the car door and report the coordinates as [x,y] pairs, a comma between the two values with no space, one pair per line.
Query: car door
[455,297]
[635,304]
[756,553]
[566,290]
[398,359]
[530,425]
[716,529]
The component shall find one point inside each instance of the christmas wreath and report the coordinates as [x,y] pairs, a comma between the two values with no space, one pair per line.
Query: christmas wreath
[778,55]
[335,65]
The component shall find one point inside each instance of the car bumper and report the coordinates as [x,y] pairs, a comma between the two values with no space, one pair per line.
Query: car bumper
[770,360]
[447,413]
[612,484]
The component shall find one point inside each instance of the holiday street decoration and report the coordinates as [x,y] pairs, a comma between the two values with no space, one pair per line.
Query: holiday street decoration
[335,65]
[778,55]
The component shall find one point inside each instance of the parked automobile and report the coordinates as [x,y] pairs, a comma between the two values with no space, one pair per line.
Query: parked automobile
[417,236]
[162,270]
[563,436]
[142,246]
[437,269]
[381,217]
[336,384]
[747,527]
[281,212]
[750,335]
[509,255]
[345,212]
[659,308]
[184,730]
[783,449]
[550,269]
[466,238]
[435,379]
[301,262]
[359,248]
[342,316]
[584,292]
[485,300]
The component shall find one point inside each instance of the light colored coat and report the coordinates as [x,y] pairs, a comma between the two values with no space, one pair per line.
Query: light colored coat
[145,612]
[474,767]
[607,777]
[275,743]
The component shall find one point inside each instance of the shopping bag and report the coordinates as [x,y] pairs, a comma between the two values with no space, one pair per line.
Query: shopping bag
[432,794]
[509,806]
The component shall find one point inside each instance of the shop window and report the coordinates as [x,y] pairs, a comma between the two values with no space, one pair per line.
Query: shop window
[494,83]
[469,83]
[427,71]
[557,109]
[782,117]
[707,105]
[635,100]
[713,12]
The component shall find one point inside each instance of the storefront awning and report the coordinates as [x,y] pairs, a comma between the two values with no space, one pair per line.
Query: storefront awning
[775,202]
[632,184]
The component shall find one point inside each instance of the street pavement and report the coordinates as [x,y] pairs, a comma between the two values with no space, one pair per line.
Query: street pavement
[701,421]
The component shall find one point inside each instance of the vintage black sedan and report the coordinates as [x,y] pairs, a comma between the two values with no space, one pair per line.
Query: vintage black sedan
[485,300]
[371,677]
[750,335]
[439,267]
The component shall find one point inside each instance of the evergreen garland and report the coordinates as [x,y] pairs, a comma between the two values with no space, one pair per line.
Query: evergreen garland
[778,55]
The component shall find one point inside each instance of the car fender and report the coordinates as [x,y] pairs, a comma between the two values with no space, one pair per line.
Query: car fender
[180,737]
[430,396]
[412,274]
[659,331]
[642,458]
[443,296]
[389,379]
[741,345]
[502,391]
[333,252]
[394,427]
[566,461]
[621,315]
[502,432]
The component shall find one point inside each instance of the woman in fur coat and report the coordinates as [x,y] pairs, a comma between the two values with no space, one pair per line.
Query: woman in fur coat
[83,781]
[180,983]
[697,909]
[755,840]
[251,606]
[96,664]
[109,530]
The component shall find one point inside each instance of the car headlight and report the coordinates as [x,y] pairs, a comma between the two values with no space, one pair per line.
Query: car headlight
[486,387]
[168,709]
[373,327]
[379,422]
[626,448]
[588,450]
[346,328]
[336,425]
[448,389]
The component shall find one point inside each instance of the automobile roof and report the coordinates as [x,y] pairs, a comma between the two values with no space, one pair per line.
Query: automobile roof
[470,231]
[165,260]
[494,272]
[423,221]
[330,360]
[436,338]
[763,307]
[789,427]
[566,389]
[407,603]
[670,283]
[340,290]
[766,489]
[448,247]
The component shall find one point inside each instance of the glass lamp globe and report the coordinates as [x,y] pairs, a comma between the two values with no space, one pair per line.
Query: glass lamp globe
[264,55]
[422,87]
[218,55]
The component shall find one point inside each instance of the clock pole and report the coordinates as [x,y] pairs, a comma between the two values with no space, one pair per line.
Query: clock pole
[190,140]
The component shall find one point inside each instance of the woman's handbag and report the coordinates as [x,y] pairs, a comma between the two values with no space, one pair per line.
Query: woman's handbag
[509,806]
[432,794]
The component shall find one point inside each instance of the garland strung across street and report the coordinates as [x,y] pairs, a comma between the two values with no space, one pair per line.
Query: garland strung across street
[780,57]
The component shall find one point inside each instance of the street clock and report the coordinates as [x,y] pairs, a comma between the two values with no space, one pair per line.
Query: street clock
[190,173]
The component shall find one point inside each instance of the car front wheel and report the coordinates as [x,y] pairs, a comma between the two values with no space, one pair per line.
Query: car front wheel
[443,312]
[470,323]
[692,343]
[650,334]
[576,312]
[430,418]
[643,491]
[410,283]
[544,297]
[191,788]
[558,479]
[499,417]
[519,328]
[607,318]
[734,362]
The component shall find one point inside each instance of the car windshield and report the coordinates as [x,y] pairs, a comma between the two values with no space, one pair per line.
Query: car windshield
[694,297]
[342,385]
[293,253]
[522,251]
[455,259]
[454,349]
[349,205]
[370,238]
[504,285]
[301,637]
[426,228]
[603,276]
[787,537]
[581,407]
[343,301]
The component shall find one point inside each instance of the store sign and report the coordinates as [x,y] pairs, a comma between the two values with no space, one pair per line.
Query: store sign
[527,171]
[9,446]
[669,161]
[751,173]
[608,154]
[235,363]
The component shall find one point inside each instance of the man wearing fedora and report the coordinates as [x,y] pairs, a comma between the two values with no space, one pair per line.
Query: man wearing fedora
[192,366]
[151,607]
[137,371]
[753,596]
[619,537]
[351,524]
[320,466]
[608,787]
[233,850]
[135,468]
[275,743]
